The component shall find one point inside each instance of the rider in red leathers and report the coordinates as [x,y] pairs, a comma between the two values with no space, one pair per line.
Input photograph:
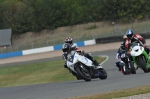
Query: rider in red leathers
[131,37]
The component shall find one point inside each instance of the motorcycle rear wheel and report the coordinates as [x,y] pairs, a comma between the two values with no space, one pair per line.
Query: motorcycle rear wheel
[103,74]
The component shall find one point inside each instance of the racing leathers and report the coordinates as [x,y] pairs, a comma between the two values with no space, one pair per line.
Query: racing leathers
[135,38]
[74,47]
[66,55]
[120,56]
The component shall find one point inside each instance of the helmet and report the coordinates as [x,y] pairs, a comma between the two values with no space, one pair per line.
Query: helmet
[69,40]
[129,33]
[66,47]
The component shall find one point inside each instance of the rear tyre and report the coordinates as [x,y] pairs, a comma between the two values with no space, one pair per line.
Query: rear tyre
[132,68]
[103,74]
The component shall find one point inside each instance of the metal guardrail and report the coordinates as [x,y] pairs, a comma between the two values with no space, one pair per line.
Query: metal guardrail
[102,34]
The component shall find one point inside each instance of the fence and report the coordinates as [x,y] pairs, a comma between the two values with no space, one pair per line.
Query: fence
[111,39]
[78,33]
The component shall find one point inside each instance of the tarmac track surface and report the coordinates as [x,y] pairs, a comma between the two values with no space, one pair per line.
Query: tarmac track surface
[115,81]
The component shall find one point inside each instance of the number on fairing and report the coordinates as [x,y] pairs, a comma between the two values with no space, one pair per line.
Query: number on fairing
[71,59]
[86,59]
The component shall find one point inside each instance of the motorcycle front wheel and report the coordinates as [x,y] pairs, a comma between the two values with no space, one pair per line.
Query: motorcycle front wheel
[132,68]
[143,65]
[125,71]
[83,73]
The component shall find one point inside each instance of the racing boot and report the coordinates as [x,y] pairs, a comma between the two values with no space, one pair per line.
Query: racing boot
[65,65]
[121,64]
[96,63]
[119,67]
[89,56]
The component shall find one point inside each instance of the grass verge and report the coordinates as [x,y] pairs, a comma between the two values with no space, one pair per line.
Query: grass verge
[54,71]
[37,73]
[117,94]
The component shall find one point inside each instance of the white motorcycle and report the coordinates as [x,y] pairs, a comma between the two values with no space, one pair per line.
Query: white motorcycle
[83,68]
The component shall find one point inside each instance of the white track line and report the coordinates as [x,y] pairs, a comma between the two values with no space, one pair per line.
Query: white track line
[105,59]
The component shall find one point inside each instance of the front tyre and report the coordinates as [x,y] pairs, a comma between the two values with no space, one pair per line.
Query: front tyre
[125,70]
[132,68]
[83,73]
[143,65]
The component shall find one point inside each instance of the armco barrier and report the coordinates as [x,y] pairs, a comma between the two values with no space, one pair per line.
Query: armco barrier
[38,50]
[89,42]
[146,35]
[43,49]
[58,47]
[11,54]
[108,39]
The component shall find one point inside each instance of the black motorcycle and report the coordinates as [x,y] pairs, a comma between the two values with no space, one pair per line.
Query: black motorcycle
[127,65]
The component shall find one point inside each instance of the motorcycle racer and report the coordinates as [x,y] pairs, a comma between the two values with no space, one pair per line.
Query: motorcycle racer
[80,66]
[119,57]
[131,37]
[121,51]
[69,48]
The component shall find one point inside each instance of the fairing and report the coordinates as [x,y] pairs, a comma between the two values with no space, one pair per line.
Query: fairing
[78,58]
[138,51]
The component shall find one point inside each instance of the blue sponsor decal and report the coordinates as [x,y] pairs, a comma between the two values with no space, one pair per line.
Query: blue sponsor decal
[86,59]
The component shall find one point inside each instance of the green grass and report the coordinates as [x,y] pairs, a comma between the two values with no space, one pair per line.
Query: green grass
[47,72]
[36,73]
[117,94]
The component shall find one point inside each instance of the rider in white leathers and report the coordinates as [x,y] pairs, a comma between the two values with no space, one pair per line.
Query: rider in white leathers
[67,51]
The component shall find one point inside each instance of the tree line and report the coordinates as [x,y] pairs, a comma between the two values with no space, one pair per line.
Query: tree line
[35,15]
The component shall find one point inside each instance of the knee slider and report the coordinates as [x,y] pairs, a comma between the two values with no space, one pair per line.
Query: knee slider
[121,64]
